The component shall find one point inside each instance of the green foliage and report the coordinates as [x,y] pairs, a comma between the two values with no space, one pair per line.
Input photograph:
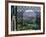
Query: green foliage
[27,24]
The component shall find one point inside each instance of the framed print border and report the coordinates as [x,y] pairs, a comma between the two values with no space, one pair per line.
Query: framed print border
[6,17]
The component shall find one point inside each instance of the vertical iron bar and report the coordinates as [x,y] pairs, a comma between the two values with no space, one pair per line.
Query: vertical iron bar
[16,17]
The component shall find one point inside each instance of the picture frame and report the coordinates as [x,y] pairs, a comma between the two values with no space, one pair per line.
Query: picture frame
[29,9]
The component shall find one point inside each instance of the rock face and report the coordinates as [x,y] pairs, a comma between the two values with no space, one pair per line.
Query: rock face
[29,15]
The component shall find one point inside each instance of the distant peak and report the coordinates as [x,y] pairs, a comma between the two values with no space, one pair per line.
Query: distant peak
[29,11]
